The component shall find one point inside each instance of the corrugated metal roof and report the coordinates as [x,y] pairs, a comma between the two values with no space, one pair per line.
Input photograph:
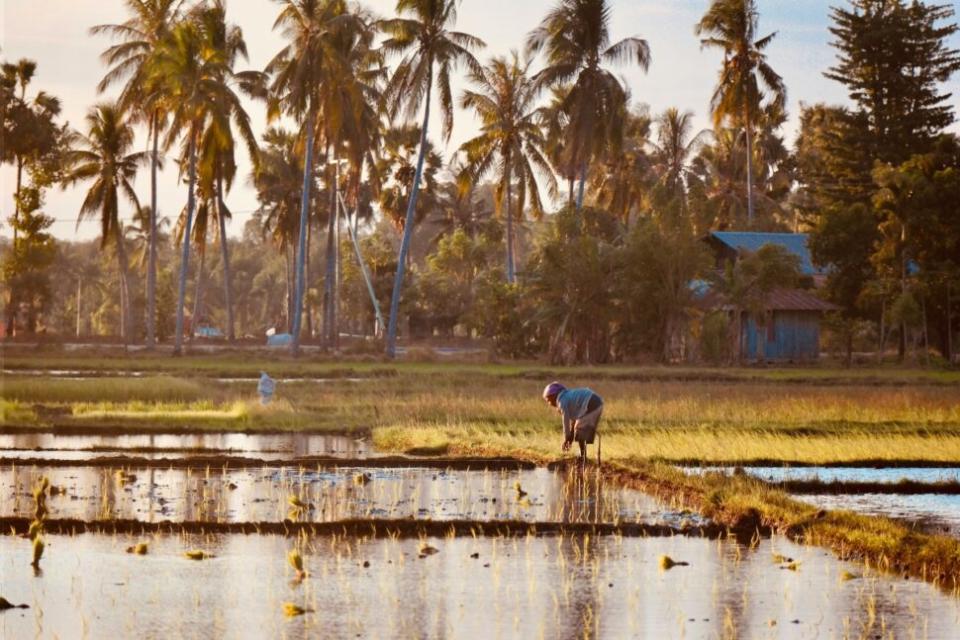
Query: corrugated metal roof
[797,300]
[795,243]
[778,300]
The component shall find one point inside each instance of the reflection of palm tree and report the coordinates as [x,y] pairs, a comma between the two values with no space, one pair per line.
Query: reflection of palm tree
[430,47]
[510,142]
[731,25]
[140,36]
[576,38]
[104,157]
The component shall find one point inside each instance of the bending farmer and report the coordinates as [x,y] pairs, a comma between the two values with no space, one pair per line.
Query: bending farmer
[580,409]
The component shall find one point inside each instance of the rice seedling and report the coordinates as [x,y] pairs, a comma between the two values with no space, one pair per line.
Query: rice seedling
[296,561]
[139,549]
[846,576]
[38,547]
[666,563]
[292,610]
[197,554]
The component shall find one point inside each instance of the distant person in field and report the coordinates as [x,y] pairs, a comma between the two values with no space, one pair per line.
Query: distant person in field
[580,409]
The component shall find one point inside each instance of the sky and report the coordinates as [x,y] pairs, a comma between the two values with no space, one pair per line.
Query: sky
[55,33]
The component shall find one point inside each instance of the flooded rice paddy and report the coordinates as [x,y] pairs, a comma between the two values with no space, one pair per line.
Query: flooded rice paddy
[929,500]
[529,587]
[930,512]
[843,474]
[327,495]
[275,446]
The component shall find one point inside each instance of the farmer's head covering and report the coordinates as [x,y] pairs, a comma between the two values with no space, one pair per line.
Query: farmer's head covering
[553,389]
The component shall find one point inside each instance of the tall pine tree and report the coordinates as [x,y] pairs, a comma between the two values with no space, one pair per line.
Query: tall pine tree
[893,59]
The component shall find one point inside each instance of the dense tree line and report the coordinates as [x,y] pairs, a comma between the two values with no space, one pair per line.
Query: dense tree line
[569,225]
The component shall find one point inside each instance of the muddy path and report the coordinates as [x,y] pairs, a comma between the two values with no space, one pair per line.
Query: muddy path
[378,528]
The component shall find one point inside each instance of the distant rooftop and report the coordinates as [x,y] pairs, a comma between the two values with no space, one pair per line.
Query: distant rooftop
[795,243]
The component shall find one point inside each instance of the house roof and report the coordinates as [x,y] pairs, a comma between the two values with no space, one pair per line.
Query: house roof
[795,243]
[777,300]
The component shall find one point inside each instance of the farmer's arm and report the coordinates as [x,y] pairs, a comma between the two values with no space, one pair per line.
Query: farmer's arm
[567,430]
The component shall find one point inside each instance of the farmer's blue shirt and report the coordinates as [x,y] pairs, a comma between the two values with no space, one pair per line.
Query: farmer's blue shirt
[572,404]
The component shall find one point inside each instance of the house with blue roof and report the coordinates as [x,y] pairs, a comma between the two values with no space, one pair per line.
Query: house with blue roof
[791,332]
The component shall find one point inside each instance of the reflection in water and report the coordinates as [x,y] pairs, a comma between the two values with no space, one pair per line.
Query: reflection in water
[517,588]
[271,446]
[260,495]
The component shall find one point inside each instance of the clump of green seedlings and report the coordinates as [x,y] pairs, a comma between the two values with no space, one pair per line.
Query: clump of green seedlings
[292,610]
[296,561]
[197,554]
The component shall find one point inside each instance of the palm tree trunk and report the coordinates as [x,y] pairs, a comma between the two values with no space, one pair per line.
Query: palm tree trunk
[510,267]
[302,241]
[583,180]
[79,302]
[288,303]
[306,267]
[749,133]
[329,306]
[198,292]
[949,326]
[126,313]
[408,227]
[185,250]
[225,250]
[152,260]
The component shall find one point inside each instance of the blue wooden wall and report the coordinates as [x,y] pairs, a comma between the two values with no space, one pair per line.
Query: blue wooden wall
[796,337]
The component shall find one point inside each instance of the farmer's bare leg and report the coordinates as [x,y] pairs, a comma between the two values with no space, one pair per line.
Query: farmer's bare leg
[583,452]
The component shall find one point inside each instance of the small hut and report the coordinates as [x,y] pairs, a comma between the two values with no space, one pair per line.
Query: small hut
[791,330]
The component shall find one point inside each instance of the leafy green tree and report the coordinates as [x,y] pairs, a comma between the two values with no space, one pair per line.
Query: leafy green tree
[510,142]
[731,25]
[105,157]
[920,228]
[575,36]
[26,267]
[569,276]
[129,59]
[431,52]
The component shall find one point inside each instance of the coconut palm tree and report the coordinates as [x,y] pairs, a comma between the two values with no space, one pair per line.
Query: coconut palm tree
[104,156]
[201,85]
[431,52]
[671,155]
[622,183]
[575,35]
[278,181]
[305,76]
[510,142]
[731,25]
[140,36]
[217,166]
